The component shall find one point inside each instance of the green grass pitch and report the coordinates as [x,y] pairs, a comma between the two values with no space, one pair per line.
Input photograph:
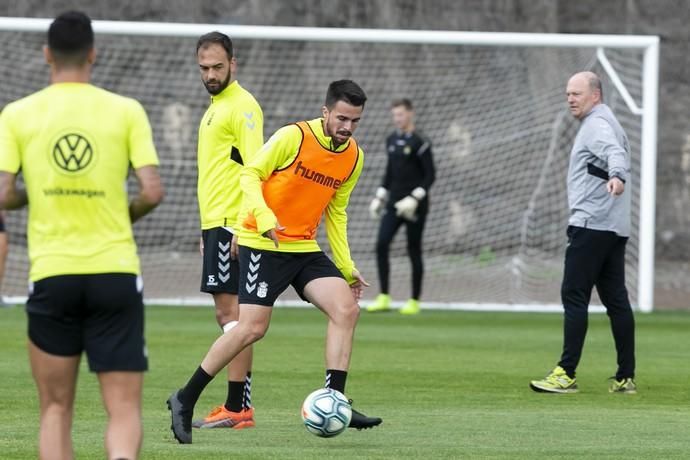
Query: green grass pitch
[448,385]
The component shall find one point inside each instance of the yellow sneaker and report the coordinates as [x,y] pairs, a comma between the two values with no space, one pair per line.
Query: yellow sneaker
[220,417]
[411,307]
[625,386]
[556,382]
[382,303]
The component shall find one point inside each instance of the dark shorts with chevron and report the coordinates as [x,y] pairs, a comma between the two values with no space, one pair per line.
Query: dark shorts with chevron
[219,272]
[264,275]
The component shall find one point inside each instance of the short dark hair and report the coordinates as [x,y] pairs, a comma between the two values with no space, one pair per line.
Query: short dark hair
[217,38]
[405,102]
[347,91]
[70,38]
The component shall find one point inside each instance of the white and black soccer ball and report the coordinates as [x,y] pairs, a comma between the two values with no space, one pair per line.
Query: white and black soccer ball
[326,412]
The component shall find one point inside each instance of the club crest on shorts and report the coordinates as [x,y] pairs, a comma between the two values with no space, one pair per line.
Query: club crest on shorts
[262,291]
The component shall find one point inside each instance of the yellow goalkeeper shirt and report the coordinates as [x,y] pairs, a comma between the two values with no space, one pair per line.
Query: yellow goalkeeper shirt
[283,155]
[230,134]
[74,144]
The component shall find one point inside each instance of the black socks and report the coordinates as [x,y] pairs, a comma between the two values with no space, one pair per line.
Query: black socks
[335,379]
[239,394]
[189,395]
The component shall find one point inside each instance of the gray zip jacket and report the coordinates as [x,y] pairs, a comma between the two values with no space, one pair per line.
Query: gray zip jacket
[601,150]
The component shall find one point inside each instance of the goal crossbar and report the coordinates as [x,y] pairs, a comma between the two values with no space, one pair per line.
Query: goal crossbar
[438,37]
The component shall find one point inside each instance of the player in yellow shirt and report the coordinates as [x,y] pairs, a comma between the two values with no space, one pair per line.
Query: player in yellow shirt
[230,134]
[304,171]
[74,144]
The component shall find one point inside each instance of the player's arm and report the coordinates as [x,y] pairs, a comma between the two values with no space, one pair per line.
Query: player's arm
[248,126]
[277,153]
[388,175]
[144,160]
[11,196]
[407,206]
[150,192]
[336,224]
[381,196]
[426,159]
[602,142]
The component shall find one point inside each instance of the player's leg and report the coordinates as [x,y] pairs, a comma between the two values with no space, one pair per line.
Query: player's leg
[390,223]
[116,351]
[264,275]
[251,327]
[583,261]
[220,278]
[614,295]
[237,411]
[415,231]
[332,296]
[320,283]
[121,393]
[55,346]
[56,378]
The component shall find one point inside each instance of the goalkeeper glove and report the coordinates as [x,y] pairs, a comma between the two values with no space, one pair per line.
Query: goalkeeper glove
[377,204]
[407,207]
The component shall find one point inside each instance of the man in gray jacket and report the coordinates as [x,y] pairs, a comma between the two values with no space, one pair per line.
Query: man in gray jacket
[598,230]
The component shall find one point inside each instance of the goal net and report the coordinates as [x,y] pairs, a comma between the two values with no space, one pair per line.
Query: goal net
[496,116]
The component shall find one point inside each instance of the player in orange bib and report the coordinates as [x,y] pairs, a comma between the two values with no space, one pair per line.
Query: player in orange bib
[306,171]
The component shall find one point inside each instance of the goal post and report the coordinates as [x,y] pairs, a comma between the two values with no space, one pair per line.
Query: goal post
[487,243]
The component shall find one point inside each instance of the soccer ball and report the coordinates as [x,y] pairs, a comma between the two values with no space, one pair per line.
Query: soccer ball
[326,412]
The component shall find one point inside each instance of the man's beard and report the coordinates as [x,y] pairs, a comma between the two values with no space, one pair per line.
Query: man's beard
[219,88]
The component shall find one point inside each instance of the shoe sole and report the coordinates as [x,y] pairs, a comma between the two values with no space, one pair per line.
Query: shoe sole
[225,424]
[625,392]
[553,390]
[368,427]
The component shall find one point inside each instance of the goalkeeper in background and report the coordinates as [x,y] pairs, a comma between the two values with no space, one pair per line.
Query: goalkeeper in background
[230,134]
[74,144]
[401,199]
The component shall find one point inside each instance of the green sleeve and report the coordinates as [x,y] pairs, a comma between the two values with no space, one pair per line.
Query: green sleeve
[10,156]
[142,152]
[336,223]
[249,130]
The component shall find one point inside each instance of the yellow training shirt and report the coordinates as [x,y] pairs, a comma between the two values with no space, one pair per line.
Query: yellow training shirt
[74,144]
[230,134]
[278,154]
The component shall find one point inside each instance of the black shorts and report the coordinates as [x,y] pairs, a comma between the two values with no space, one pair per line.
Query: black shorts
[100,314]
[264,275]
[2,224]
[219,272]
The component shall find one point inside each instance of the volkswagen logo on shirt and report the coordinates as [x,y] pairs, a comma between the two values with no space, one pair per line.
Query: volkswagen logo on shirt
[72,153]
